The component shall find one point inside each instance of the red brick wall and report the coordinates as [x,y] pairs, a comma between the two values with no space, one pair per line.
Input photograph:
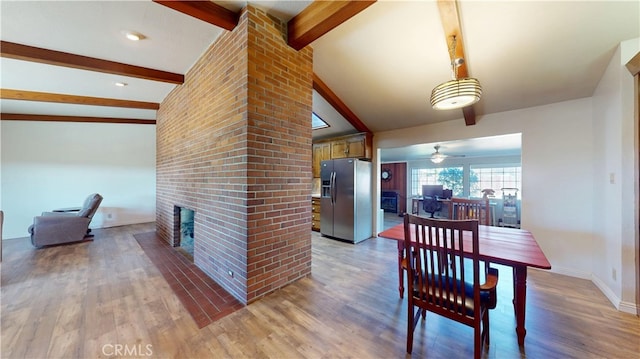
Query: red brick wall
[234,144]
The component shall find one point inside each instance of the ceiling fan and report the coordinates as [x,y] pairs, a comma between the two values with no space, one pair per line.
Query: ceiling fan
[438,157]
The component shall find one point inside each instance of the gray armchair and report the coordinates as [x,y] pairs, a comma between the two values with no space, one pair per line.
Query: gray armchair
[64,225]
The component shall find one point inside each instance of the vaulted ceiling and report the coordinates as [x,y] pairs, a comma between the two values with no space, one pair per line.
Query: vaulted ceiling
[374,63]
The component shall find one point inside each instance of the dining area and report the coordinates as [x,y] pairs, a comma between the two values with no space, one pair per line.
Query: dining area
[513,249]
[363,314]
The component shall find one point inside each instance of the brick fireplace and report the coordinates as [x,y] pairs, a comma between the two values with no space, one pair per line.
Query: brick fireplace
[183,234]
[234,145]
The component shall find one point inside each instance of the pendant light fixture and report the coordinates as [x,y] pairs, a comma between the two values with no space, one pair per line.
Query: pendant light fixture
[456,93]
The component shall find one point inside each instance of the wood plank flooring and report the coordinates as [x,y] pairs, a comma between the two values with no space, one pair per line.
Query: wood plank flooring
[90,300]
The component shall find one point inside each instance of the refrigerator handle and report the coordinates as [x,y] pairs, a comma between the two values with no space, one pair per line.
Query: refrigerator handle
[333,188]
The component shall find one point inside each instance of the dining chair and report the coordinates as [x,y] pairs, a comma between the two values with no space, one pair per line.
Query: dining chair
[463,208]
[460,208]
[453,290]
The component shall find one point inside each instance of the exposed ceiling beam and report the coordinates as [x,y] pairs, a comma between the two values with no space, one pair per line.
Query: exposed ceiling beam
[52,118]
[51,57]
[321,17]
[451,26]
[206,11]
[340,106]
[9,94]
[469,114]
[634,65]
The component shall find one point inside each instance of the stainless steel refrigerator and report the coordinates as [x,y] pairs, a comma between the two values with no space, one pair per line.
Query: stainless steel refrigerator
[346,199]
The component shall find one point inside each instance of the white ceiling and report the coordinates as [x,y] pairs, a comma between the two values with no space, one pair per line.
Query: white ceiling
[494,146]
[382,63]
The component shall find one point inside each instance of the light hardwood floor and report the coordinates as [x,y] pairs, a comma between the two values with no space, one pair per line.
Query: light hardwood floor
[92,299]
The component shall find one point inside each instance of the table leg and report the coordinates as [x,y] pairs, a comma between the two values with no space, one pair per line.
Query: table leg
[520,301]
[400,270]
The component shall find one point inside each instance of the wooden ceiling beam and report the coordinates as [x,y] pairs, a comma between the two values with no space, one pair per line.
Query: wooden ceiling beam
[321,17]
[451,26]
[340,106]
[9,94]
[634,65]
[51,57]
[206,11]
[53,118]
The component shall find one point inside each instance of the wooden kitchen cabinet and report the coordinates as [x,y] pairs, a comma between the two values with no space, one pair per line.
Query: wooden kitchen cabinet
[315,214]
[354,146]
[321,152]
[358,145]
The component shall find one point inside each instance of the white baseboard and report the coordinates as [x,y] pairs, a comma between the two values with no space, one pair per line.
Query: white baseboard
[118,223]
[623,306]
[620,305]
[613,298]
[628,307]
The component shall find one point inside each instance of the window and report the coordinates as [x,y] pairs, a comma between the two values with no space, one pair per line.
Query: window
[317,122]
[495,178]
[449,177]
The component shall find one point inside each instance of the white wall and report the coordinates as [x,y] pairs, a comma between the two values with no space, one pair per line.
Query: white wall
[47,165]
[615,186]
[557,173]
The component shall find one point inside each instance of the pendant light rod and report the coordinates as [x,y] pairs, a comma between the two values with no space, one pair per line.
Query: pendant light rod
[450,21]
[451,26]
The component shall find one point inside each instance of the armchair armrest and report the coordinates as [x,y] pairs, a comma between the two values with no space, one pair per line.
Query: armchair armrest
[491,281]
[59,214]
[490,284]
[68,209]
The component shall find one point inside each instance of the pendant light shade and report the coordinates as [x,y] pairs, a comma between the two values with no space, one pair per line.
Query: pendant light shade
[456,94]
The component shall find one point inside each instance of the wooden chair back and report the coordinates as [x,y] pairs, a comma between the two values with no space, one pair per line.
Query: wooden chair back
[463,208]
[439,279]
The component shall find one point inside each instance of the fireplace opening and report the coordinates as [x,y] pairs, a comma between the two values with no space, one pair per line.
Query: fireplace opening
[184,230]
[389,201]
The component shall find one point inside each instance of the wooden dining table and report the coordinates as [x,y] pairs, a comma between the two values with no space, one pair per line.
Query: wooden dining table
[512,247]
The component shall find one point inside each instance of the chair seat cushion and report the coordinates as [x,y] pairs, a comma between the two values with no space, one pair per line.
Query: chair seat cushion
[434,296]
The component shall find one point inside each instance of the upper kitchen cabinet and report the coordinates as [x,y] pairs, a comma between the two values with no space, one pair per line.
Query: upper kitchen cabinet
[321,152]
[358,145]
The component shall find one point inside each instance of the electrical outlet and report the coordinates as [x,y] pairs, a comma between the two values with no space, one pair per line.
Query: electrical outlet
[613,273]
[612,178]
[109,215]
[230,273]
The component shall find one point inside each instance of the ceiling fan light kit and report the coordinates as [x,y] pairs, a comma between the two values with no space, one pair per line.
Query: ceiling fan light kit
[437,157]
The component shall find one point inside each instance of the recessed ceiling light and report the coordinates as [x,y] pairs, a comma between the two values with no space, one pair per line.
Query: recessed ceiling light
[121,84]
[134,36]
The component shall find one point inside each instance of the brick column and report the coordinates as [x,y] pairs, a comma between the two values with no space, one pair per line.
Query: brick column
[234,144]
